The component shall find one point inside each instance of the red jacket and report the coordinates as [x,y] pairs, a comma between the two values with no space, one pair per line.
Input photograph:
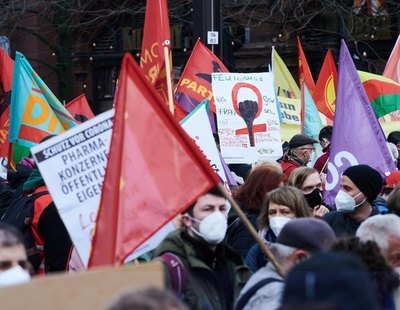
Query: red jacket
[322,161]
[287,167]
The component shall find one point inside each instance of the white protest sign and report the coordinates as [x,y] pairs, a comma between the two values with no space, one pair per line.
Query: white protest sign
[247,116]
[197,126]
[73,165]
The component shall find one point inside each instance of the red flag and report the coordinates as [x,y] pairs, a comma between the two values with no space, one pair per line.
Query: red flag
[304,69]
[325,90]
[6,75]
[154,171]
[80,109]
[179,113]
[155,33]
[195,83]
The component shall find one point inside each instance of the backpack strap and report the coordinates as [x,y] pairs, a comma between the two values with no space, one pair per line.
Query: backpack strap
[177,271]
[244,299]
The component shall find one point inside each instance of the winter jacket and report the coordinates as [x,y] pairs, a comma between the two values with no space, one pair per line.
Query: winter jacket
[256,258]
[213,279]
[321,162]
[238,236]
[289,162]
[342,224]
[6,194]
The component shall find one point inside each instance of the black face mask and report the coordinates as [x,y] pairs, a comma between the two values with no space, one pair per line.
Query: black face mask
[314,198]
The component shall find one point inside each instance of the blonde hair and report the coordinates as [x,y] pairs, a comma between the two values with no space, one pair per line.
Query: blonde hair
[299,175]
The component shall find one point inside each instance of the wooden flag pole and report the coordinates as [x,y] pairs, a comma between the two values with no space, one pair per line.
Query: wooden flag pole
[252,231]
[166,45]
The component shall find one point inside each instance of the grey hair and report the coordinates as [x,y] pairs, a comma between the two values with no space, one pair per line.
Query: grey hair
[281,252]
[380,228]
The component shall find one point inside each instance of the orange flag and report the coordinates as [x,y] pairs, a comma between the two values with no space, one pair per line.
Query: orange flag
[155,33]
[304,69]
[6,76]
[80,109]
[325,89]
[154,171]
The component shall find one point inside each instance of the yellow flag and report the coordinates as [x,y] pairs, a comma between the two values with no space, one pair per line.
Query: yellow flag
[285,85]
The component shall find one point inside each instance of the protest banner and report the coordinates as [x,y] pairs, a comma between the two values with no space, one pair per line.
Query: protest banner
[73,166]
[198,127]
[93,289]
[247,116]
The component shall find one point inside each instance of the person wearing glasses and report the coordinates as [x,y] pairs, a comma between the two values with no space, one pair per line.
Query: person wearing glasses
[300,152]
[14,265]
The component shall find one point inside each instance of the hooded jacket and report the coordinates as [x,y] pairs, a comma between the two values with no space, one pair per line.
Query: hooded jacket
[213,279]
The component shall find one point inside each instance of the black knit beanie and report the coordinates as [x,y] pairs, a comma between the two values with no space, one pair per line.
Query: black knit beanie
[367,179]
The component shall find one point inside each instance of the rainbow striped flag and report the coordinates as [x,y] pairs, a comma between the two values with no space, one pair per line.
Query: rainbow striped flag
[383,93]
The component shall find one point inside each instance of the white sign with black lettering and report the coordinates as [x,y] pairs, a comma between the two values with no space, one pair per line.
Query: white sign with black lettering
[73,165]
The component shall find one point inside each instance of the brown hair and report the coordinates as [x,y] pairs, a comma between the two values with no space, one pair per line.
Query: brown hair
[393,201]
[261,180]
[288,196]
[299,175]
[213,191]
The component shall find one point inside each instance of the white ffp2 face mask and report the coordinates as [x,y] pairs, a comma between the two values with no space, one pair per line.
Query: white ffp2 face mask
[276,223]
[345,202]
[212,228]
[13,276]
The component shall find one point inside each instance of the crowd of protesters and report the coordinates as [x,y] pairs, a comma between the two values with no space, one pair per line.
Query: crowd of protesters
[340,256]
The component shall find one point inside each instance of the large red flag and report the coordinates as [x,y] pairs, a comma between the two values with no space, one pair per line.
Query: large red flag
[325,89]
[155,33]
[80,109]
[6,75]
[154,171]
[304,69]
[195,83]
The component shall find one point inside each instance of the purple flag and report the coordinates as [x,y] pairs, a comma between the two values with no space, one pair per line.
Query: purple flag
[229,176]
[357,137]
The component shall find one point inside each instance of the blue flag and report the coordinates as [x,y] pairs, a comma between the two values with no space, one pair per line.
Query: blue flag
[35,111]
[311,122]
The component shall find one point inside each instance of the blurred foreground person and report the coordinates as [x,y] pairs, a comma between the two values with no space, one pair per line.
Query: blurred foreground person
[385,231]
[204,271]
[14,265]
[385,281]
[147,299]
[329,280]
[298,240]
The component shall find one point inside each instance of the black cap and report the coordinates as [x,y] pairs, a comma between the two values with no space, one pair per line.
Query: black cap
[300,140]
[308,234]
[367,179]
